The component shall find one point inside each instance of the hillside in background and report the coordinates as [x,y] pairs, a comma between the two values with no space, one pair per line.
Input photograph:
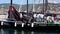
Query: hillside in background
[24,7]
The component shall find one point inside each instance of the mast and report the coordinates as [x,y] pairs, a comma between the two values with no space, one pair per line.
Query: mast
[43,5]
[33,5]
[27,9]
[27,6]
[20,6]
[39,8]
[11,2]
[2,9]
[46,5]
[9,13]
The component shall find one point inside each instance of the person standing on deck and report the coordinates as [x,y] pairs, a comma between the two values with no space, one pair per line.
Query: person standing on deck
[49,19]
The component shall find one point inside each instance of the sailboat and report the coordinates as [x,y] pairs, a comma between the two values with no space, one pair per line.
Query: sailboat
[13,16]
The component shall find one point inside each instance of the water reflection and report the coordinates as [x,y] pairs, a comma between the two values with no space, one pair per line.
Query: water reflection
[16,31]
[32,32]
[2,31]
[22,32]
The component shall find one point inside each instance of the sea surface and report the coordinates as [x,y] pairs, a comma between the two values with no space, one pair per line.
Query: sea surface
[25,31]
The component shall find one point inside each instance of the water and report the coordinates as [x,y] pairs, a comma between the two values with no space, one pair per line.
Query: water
[23,31]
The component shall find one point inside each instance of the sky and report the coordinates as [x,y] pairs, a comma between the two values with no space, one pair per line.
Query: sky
[25,1]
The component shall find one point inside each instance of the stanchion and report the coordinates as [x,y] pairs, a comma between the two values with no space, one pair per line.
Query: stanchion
[32,25]
[2,23]
[22,24]
[15,24]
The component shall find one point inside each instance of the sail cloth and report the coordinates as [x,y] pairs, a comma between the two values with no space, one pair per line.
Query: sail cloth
[13,14]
